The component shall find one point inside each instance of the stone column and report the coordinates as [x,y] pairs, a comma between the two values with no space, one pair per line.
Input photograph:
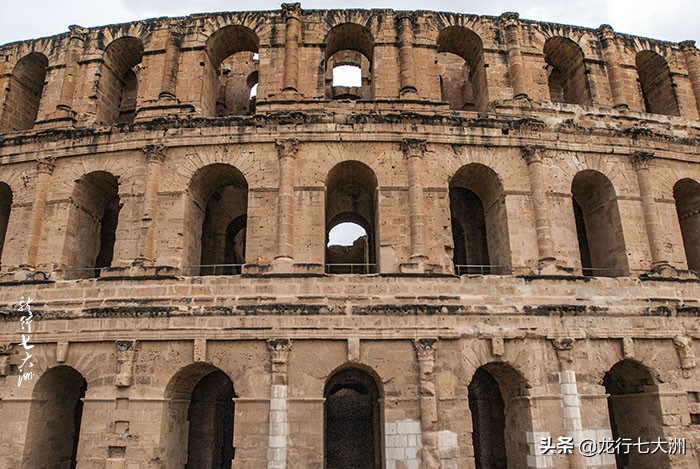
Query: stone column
[693,63]
[425,351]
[516,65]
[413,150]
[640,162]
[292,33]
[172,59]
[406,61]
[286,152]
[44,169]
[533,155]
[155,154]
[612,63]
[278,439]
[64,108]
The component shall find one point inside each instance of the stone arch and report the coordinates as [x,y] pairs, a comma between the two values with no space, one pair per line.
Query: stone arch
[118,85]
[686,193]
[499,418]
[462,71]
[231,58]
[5,209]
[55,415]
[92,225]
[479,222]
[656,84]
[566,72]
[217,196]
[353,419]
[198,423]
[25,89]
[634,410]
[598,225]
[349,44]
[351,196]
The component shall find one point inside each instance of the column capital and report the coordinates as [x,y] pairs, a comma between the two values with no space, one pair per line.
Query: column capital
[287,147]
[533,153]
[155,153]
[425,348]
[413,147]
[605,31]
[409,15]
[509,18]
[687,46]
[564,347]
[45,164]
[279,349]
[641,159]
[291,10]
[77,32]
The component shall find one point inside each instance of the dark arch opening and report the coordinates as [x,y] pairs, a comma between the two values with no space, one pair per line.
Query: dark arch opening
[25,89]
[462,69]
[5,208]
[352,419]
[656,84]
[216,217]
[92,225]
[349,45]
[231,71]
[566,72]
[686,193]
[598,226]
[351,189]
[479,224]
[634,410]
[56,412]
[118,85]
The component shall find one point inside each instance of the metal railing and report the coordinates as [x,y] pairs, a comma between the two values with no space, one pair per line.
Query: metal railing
[481,269]
[351,268]
[211,269]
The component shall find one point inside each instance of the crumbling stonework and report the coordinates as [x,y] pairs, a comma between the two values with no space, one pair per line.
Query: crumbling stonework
[530,194]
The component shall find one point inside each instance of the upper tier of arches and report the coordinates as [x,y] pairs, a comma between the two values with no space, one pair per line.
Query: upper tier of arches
[240,63]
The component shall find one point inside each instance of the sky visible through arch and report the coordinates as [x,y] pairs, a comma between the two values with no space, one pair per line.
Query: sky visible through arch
[670,20]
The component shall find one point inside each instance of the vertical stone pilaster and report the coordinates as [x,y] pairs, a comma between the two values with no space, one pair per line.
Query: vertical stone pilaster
[534,155]
[640,162]
[172,59]
[516,65]
[44,168]
[278,437]
[292,35]
[406,61]
[286,152]
[155,155]
[612,63]
[64,108]
[692,60]
[413,150]
[425,351]
[126,350]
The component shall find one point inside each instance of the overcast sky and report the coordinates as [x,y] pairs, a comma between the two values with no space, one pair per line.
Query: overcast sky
[672,20]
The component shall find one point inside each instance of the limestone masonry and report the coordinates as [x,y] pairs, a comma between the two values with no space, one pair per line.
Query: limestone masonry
[530,198]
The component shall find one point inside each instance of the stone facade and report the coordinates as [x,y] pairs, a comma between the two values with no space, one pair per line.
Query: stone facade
[530,195]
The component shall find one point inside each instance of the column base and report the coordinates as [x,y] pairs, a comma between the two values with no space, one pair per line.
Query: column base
[163,107]
[283,265]
[549,268]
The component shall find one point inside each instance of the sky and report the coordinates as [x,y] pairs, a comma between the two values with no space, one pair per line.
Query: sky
[671,20]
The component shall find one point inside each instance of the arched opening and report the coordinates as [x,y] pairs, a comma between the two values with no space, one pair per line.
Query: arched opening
[462,69]
[199,420]
[231,71]
[5,208]
[598,226]
[253,92]
[479,223]
[53,429]
[634,410]
[118,85]
[566,72]
[351,189]
[686,192]
[499,417]
[92,225]
[217,214]
[352,421]
[656,84]
[349,49]
[24,93]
